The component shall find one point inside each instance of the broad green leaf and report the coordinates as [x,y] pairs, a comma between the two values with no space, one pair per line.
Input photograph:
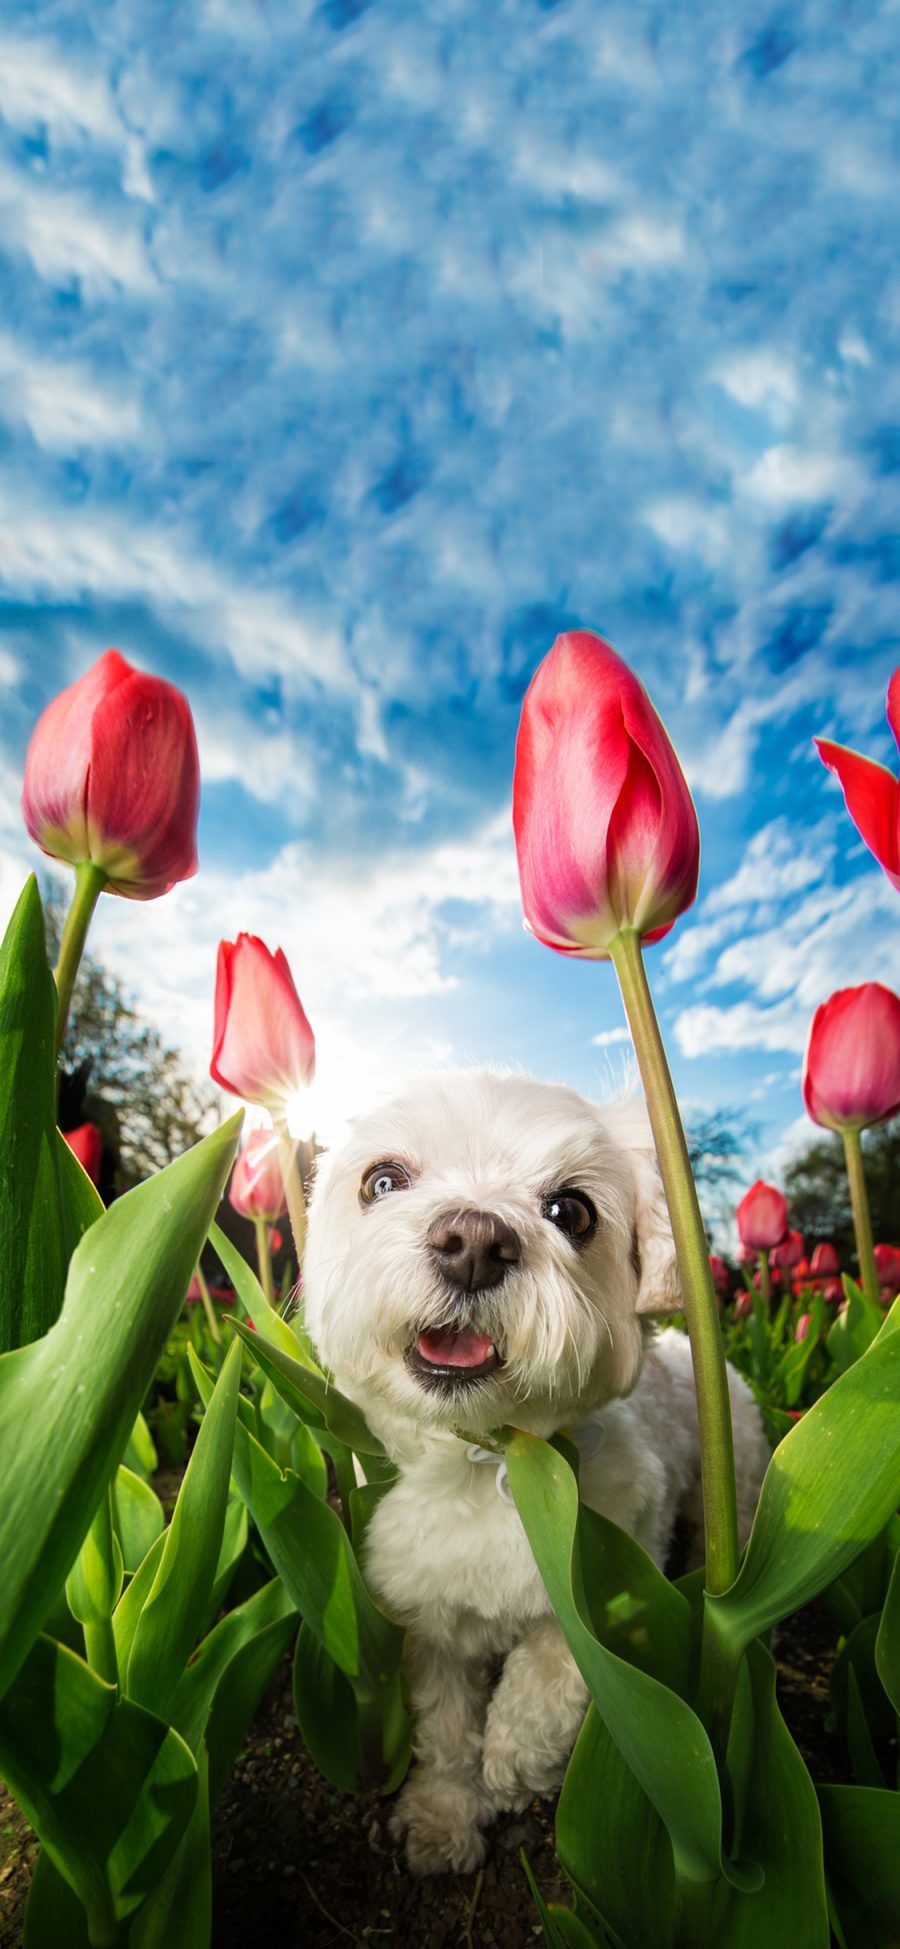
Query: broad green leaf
[555,1919]
[251,1671]
[781,1830]
[267,1321]
[862,1861]
[661,1739]
[179,1911]
[863,1711]
[210,1666]
[853,1331]
[140,1454]
[95,1579]
[108,1787]
[353,1745]
[53,1914]
[887,1643]
[68,1402]
[42,1199]
[233,1545]
[830,1487]
[311,1551]
[861,1746]
[127,1613]
[634,1610]
[573,1932]
[312,1396]
[175,1606]
[791,1372]
[137,1516]
[612,1843]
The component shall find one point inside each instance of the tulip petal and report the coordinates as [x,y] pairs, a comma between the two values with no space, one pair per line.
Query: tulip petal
[263,1046]
[851,1070]
[872,796]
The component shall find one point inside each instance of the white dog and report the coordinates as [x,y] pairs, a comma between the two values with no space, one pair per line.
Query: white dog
[488,1250]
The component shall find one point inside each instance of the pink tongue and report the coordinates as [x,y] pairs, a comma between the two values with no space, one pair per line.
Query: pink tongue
[449,1349]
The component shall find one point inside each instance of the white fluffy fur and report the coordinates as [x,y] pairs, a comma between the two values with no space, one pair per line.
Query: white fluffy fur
[447,1555]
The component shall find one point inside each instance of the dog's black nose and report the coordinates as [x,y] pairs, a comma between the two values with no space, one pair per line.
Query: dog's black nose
[474,1249]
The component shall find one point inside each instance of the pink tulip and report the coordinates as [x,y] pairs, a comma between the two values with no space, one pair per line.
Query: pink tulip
[743,1306]
[832,1290]
[112,776]
[194,1292]
[762,1217]
[871,792]
[851,1072]
[747,1254]
[789,1253]
[86,1144]
[606,832]
[263,1046]
[257,1186]
[721,1273]
[824,1262]
[887,1261]
[802,1327]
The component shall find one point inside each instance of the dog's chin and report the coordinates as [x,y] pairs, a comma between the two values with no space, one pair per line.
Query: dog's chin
[453,1362]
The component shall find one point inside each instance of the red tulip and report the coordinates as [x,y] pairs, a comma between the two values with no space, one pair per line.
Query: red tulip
[263,1046]
[851,1072]
[194,1292]
[606,832]
[871,792]
[743,1306]
[824,1262]
[789,1253]
[257,1186]
[112,776]
[721,1273]
[832,1289]
[762,1217]
[802,1327]
[887,1260]
[87,1145]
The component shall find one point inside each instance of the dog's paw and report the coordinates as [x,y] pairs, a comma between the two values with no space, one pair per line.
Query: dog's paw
[514,1777]
[439,1818]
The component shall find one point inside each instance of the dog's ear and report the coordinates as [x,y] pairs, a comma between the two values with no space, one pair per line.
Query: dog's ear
[659,1290]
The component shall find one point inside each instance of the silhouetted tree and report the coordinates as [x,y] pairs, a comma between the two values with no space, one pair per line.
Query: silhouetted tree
[818,1195]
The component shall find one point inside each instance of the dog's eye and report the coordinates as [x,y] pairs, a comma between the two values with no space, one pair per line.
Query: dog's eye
[381,1179]
[571,1212]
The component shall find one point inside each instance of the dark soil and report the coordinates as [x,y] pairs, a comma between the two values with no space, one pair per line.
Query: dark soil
[298,1863]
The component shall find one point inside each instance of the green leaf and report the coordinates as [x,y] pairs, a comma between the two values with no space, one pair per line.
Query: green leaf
[211,1664]
[661,1739]
[780,1829]
[830,1487]
[233,1545]
[350,1744]
[634,1610]
[41,1210]
[140,1454]
[176,1603]
[53,1913]
[250,1673]
[862,1709]
[95,1579]
[137,1517]
[853,1331]
[68,1402]
[311,1551]
[612,1843]
[862,1860]
[555,1920]
[311,1395]
[179,1911]
[887,1643]
[108,1787]
[266,1320]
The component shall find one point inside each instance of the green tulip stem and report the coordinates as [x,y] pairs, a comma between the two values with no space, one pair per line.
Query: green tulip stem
[90,881]
[264,1258]
[208,1306]
[862,1223]
[765,1282]
[293,1190]
[106,1573]
[713,1409]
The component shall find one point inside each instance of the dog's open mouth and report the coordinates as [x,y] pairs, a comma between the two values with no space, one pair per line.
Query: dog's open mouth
[453,1356]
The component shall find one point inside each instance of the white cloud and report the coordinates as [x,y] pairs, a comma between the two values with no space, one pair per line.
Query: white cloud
[62,404]
[608,1036]
[707,1031]
[760,377]
[788,473]
[775,866]
[853,348]
[40,85]
[66,236]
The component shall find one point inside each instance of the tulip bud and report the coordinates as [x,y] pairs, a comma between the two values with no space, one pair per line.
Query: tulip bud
[257,1186]
[801,1273]
[762,1217]
[824,1262]
[887,1260]
[720,1272]
[832,1290]
[86,1144]
[606,832]
[263,1046]
[802,1327]
[851,1072]
[789,1253]
[871,792]
[112,777]
[743,1306]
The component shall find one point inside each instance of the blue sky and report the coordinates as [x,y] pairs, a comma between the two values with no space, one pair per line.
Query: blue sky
[347,353]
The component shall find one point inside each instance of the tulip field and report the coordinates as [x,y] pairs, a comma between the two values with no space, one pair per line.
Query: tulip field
[137,1646]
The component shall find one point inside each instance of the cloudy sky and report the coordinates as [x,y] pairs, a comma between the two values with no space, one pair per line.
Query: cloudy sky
[350,351]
